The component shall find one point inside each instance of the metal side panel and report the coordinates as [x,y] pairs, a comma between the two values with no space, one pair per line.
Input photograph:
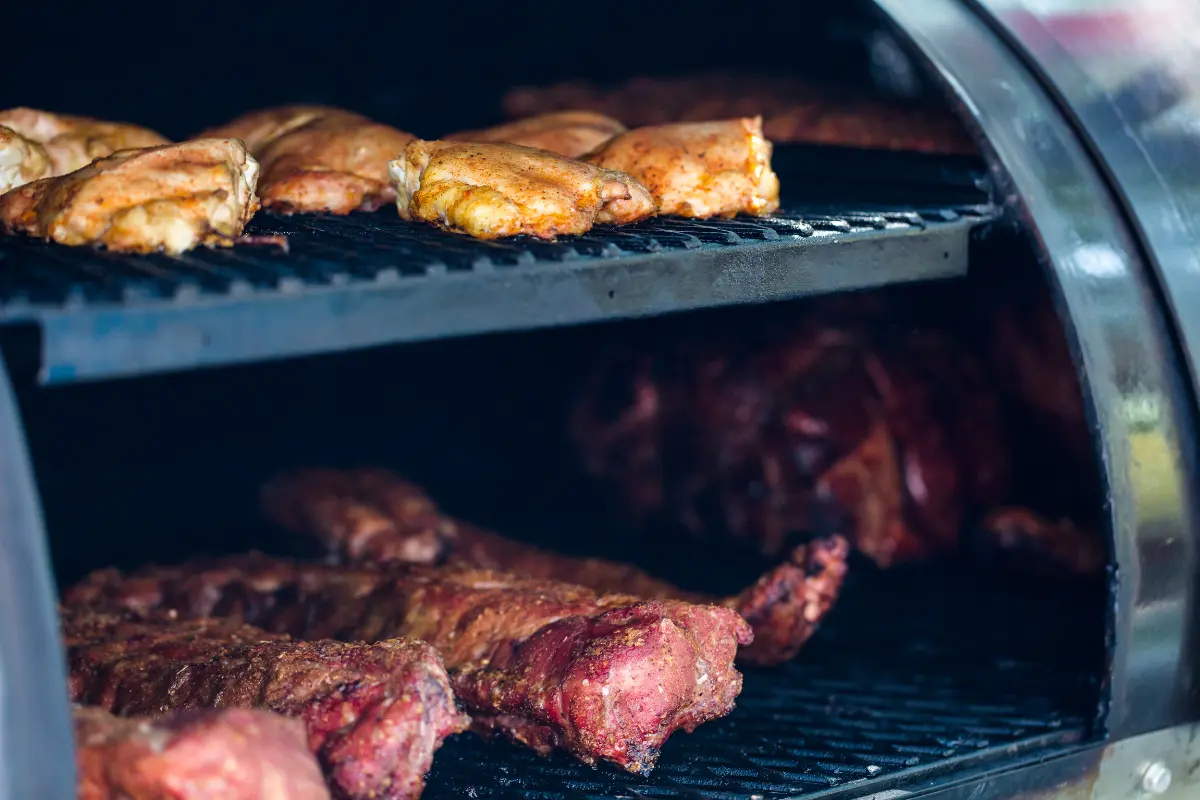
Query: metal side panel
[1130,369]
[35,736]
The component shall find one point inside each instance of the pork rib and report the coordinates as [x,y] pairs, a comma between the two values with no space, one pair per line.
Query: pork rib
[375,714]
[234,754]
[549,664]
[372,516]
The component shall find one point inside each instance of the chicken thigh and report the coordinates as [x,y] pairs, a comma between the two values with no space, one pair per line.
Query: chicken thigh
[698,169]
[493,190]
[568,133]
[38,144]
[170,198]
[316,159]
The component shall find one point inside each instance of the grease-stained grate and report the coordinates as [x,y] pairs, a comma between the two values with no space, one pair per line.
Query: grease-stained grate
[330,251]
[880,695]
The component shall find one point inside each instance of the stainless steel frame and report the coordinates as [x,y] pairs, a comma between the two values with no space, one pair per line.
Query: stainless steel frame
[1141,404]
[35,737]
[1136,104]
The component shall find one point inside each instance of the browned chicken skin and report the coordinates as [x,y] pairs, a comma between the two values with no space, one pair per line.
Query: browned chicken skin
[316,159]
[493,190]
[568,133]
[232,754]
[373,517]
[850,419]
[698,169]
[170,198]
[39,144]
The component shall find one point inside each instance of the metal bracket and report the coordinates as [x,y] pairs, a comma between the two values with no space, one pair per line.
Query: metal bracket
[1164,765]
[1141,414]
[36,745]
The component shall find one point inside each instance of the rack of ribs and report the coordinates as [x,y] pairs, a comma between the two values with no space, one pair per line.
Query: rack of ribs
[370,516]
[374,714]
[233,754]
[551,665]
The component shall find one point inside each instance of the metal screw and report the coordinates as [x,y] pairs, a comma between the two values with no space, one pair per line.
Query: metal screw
[1156,778]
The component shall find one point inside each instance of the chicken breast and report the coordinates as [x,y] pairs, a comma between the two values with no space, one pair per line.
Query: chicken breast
[568,133]
[21,160]
[170,198]
[316,159]
[38,144]
[492,190]
[698,169]
[259,128]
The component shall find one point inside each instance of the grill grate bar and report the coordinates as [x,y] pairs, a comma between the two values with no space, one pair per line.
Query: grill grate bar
[370,279]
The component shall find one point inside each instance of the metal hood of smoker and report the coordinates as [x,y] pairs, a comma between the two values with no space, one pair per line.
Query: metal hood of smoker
[1090,112]
[1127,75]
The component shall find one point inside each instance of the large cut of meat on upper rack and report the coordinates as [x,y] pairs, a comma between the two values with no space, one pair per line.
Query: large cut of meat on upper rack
[170,198]
[567,133]
[374,714]
[549,664]
[231,754]
[370,516]
[794,110]
[39,144]
[896,438]
[698,169]
[317,159]
[491,190]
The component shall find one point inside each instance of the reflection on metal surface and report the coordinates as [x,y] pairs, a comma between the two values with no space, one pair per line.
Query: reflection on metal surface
[1110,305]
[1164,765]
[35,740]
[1136,101]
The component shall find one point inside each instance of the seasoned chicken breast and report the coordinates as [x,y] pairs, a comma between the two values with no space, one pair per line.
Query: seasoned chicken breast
[698,169]
[317,159]
[259,128]
[568,133]
[170,198]
[21,160]
[38,144]
[491,190]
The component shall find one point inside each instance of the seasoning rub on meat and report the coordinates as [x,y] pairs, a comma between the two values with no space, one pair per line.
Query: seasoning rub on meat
[372,516]
[231,754]
[374,714]
[549,664]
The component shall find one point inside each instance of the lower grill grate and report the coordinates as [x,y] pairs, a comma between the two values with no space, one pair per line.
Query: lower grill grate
[912,674]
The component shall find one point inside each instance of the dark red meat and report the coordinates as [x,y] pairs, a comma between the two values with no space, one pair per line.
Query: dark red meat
[232,754]
[374,714]
[551,665]
[1030,541]
[851,420]
[806,429]
[371,516]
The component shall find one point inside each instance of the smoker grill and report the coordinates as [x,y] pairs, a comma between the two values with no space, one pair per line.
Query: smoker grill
[374,340]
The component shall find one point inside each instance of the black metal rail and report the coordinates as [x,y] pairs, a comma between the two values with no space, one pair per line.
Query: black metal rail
[372,279]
